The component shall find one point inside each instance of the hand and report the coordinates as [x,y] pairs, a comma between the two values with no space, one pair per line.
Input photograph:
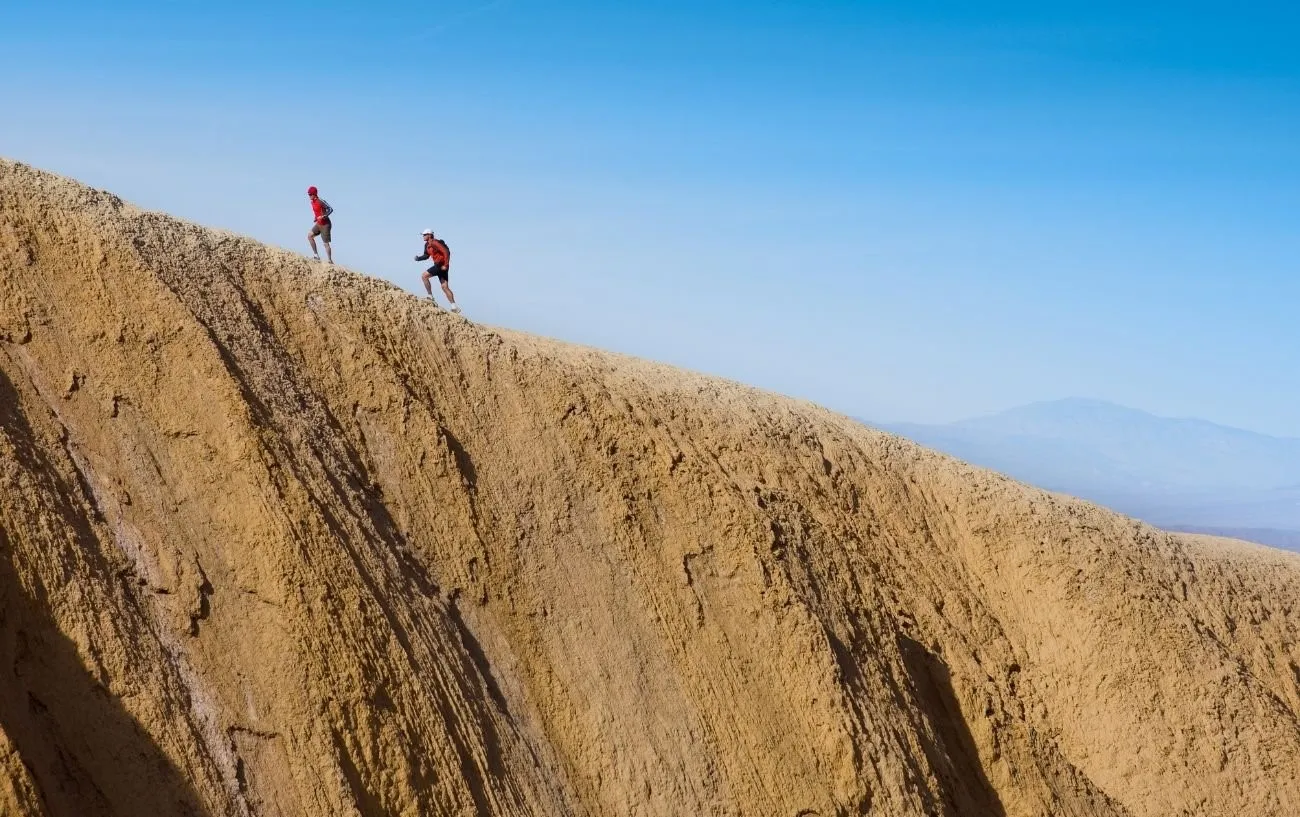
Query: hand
[417,258]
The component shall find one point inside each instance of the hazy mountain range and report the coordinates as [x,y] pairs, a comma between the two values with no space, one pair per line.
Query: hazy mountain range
[1176,473]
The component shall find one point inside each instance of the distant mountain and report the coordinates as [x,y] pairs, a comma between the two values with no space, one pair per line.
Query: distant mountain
[1172,472]
[1288,539]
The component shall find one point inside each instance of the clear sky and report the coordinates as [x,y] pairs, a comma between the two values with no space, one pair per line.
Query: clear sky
[902,210]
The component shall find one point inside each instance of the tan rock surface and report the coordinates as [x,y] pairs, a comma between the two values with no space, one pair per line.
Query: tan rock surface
[278,539]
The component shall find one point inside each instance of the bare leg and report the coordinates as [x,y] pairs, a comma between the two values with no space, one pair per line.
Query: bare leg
[311,239]
[329,252]
[446,290]
[425,278]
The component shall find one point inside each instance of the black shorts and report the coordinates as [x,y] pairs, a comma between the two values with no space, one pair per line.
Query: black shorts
[441,272]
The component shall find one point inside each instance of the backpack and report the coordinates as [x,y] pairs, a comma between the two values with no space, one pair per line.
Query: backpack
[445,247]
[325,208]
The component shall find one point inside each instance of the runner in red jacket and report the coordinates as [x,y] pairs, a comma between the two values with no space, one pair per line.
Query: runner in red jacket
[436,250]
[321,225]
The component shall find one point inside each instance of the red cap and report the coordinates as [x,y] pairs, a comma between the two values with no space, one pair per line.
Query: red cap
[311,191]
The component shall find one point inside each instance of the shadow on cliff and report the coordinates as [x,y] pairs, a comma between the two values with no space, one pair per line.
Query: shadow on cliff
[953,753]
[86,753]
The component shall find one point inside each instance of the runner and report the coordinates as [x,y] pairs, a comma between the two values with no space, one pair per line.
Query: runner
[321,226]
[437,251]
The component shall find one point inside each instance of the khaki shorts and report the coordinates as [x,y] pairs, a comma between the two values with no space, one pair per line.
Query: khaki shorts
[322,230]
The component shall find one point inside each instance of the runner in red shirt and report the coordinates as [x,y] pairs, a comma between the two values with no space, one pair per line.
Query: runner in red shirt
[321,226]
[437,251]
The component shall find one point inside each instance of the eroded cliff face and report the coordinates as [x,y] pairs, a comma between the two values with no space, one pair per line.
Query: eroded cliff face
[277,539]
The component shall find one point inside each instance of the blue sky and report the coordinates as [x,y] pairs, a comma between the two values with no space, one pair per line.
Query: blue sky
[904,211]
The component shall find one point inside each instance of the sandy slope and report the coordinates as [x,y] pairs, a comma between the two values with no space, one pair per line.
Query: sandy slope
[277,539]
